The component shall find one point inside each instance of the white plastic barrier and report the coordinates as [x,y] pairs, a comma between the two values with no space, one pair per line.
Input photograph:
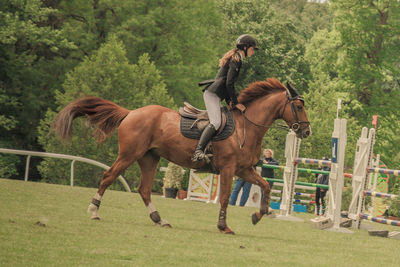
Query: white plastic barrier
[201,188]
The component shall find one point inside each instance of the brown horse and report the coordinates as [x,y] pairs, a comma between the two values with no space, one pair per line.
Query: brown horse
[151,132]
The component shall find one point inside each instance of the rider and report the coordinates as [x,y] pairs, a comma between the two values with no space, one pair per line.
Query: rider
[222,87]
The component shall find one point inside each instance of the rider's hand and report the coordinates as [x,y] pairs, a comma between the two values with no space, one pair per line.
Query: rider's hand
[240,107]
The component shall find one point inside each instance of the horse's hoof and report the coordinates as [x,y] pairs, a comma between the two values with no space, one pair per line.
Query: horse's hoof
[270,214]
[164,223]
[95,218]
[256,217]
[227,231]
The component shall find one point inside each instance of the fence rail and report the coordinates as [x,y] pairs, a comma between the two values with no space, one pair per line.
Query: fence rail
[281,168]
[59,156]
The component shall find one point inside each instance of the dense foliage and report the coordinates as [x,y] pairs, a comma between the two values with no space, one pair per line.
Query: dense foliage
[173,176]
[154,52]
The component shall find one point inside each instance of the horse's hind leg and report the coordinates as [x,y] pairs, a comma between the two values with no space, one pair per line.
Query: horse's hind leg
[148,166]
[119,166]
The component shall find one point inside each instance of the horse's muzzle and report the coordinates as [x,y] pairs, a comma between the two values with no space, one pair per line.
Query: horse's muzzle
[303,132]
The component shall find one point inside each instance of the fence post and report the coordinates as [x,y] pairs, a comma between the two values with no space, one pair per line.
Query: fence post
[28,160]
[72,173]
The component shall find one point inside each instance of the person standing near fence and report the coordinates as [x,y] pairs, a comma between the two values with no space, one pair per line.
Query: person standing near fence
[239,184]
[268,158]
[320,193]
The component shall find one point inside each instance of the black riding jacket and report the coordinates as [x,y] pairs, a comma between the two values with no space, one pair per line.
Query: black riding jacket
[224,83]
[267,172]
[322,178]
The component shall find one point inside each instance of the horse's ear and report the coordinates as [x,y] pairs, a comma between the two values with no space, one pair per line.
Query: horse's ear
[292,90]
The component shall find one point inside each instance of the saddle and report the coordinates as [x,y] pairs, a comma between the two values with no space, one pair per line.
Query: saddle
[194,120]
[200,116]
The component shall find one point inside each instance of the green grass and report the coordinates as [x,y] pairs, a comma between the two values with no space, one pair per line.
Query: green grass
[125,235]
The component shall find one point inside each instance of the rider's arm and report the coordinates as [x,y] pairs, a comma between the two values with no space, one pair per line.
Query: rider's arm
[233,72]
[274,162]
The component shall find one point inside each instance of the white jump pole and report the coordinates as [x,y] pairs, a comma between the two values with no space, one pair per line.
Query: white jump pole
[362,160]
[336,177]
[292,148]
[374,183]
[361,197]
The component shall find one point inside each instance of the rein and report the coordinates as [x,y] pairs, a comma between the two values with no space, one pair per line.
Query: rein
[281,126]
[244,131]
[295,126]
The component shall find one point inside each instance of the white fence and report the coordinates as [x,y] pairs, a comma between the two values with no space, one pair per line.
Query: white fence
[60,156]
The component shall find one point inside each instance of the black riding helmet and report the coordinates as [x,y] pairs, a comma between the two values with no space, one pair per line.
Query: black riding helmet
[245,41]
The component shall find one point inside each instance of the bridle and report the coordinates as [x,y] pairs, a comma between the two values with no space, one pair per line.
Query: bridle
[295,126]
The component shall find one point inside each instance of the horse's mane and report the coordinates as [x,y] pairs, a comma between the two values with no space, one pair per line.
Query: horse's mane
[259,89]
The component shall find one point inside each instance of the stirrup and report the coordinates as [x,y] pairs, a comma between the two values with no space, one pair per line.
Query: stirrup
[198,156]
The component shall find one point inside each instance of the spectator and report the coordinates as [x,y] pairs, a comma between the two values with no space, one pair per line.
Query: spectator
[268,158]
[320,192]
[239,184]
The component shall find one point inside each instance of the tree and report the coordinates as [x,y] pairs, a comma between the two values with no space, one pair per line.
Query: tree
[8,164]
[369,33]
[322,54]
[353,59]
[183,42]
[107,74]
[309,16]
[31,65]
[281,44]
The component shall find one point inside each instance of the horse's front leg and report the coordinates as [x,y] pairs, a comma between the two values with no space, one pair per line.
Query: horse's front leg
[251,176]
[225,191]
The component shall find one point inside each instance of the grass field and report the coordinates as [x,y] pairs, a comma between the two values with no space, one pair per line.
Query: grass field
[125,236]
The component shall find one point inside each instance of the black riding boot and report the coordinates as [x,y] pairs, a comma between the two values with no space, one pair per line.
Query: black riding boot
[205,137]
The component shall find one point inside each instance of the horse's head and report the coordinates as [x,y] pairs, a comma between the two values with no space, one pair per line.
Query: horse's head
[294,113]
[291,108]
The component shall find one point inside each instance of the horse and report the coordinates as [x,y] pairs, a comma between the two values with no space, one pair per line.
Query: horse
[150,132]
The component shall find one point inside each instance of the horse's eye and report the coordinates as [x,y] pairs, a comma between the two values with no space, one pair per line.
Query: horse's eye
[299,108]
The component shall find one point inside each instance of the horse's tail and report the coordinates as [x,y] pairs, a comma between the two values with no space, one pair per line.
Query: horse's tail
[105,114]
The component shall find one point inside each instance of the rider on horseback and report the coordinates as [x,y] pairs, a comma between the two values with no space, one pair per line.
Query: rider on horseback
[222,87]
